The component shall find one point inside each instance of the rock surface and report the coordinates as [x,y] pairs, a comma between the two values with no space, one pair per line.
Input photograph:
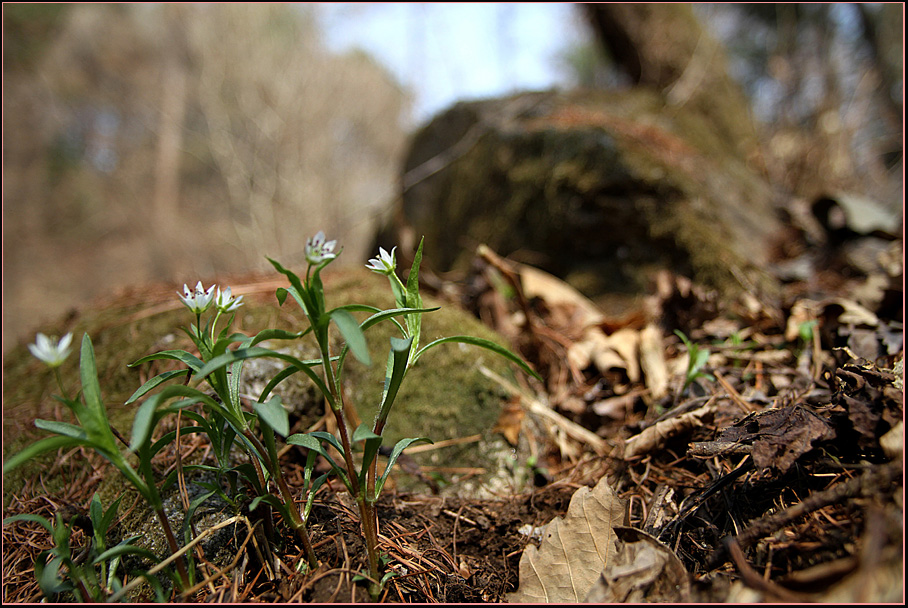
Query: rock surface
[598,188]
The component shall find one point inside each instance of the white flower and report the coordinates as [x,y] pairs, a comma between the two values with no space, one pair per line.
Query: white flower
[317,250]
[384,263]
[199,301]
[225,302]
[50,351]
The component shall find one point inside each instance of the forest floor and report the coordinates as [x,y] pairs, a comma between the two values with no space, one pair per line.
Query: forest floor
[768,469]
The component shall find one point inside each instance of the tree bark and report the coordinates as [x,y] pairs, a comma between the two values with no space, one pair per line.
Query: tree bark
[664,46]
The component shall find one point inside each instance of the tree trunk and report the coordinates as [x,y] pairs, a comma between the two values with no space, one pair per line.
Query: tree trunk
[665,47]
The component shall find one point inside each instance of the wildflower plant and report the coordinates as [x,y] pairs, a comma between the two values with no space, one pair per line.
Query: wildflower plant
[229,418]
[697,358]
[93,575]
[363,482]
[225,421]
[95,431]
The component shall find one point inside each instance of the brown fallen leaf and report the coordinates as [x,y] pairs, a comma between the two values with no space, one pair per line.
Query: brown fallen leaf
[779,436]
[652,362]
[655,436]
[574,550]
[510,421]
[643,570]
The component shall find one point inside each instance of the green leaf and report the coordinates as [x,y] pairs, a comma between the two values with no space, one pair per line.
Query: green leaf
[482,342]
[169,438]
[121,549]
[274,501]
[95,512]
[371,444]
[275,334]
[154,382]
[399,448]
[62,428]
[363,433]
[312,441]
[49,579]
[298,291]
[36,449]
[414,300]
[107,518]
[274,415]
[91,389]
[30,517]
[174,355]
[350,329]
[256,351]
[393,312]
[277,379]
[357,308]
[394,375]
[146,415]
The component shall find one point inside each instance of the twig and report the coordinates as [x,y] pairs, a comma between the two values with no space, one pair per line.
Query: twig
[572,429]
[753,579]
[871,483]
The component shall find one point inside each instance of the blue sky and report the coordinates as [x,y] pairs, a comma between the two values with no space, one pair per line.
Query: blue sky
[443,52]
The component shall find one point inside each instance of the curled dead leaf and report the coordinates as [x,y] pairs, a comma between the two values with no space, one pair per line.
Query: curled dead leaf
[643,570]
[655,436]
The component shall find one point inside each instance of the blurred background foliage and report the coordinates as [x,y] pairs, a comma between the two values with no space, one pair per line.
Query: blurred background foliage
[166,142]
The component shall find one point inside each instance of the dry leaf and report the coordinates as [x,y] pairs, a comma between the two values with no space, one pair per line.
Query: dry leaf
[642,570]
[616,351]
[556,292]
[510,422]
[655,436]
[652,361]
[574,550]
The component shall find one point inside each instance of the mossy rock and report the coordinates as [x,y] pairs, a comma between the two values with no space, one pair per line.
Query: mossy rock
[445,396]
[602,189]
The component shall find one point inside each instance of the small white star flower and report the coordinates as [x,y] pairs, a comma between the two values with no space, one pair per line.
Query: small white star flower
[318,250]
[49,350]
[384,263]
[225,301]
[198,301]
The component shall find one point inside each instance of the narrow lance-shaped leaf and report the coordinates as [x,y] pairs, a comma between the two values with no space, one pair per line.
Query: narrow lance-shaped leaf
[312,441]
[248,353]
[350,329]
[394,375]
[177,355]
[127,549]
[91,388]
[62,428]
[371,444]
[36,449]
[274,415]
[294,281]
[145,416]
[30,517]
[154,383]
[395,454]
[482,342]
[414,300]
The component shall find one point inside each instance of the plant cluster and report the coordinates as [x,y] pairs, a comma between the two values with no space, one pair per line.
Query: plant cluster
[228,419]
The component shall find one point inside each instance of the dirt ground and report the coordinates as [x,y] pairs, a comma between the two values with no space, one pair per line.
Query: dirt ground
[774,474]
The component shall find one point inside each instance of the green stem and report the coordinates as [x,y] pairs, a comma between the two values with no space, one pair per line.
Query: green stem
[366,507]
[266,510]
[296,519]
[60,382]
